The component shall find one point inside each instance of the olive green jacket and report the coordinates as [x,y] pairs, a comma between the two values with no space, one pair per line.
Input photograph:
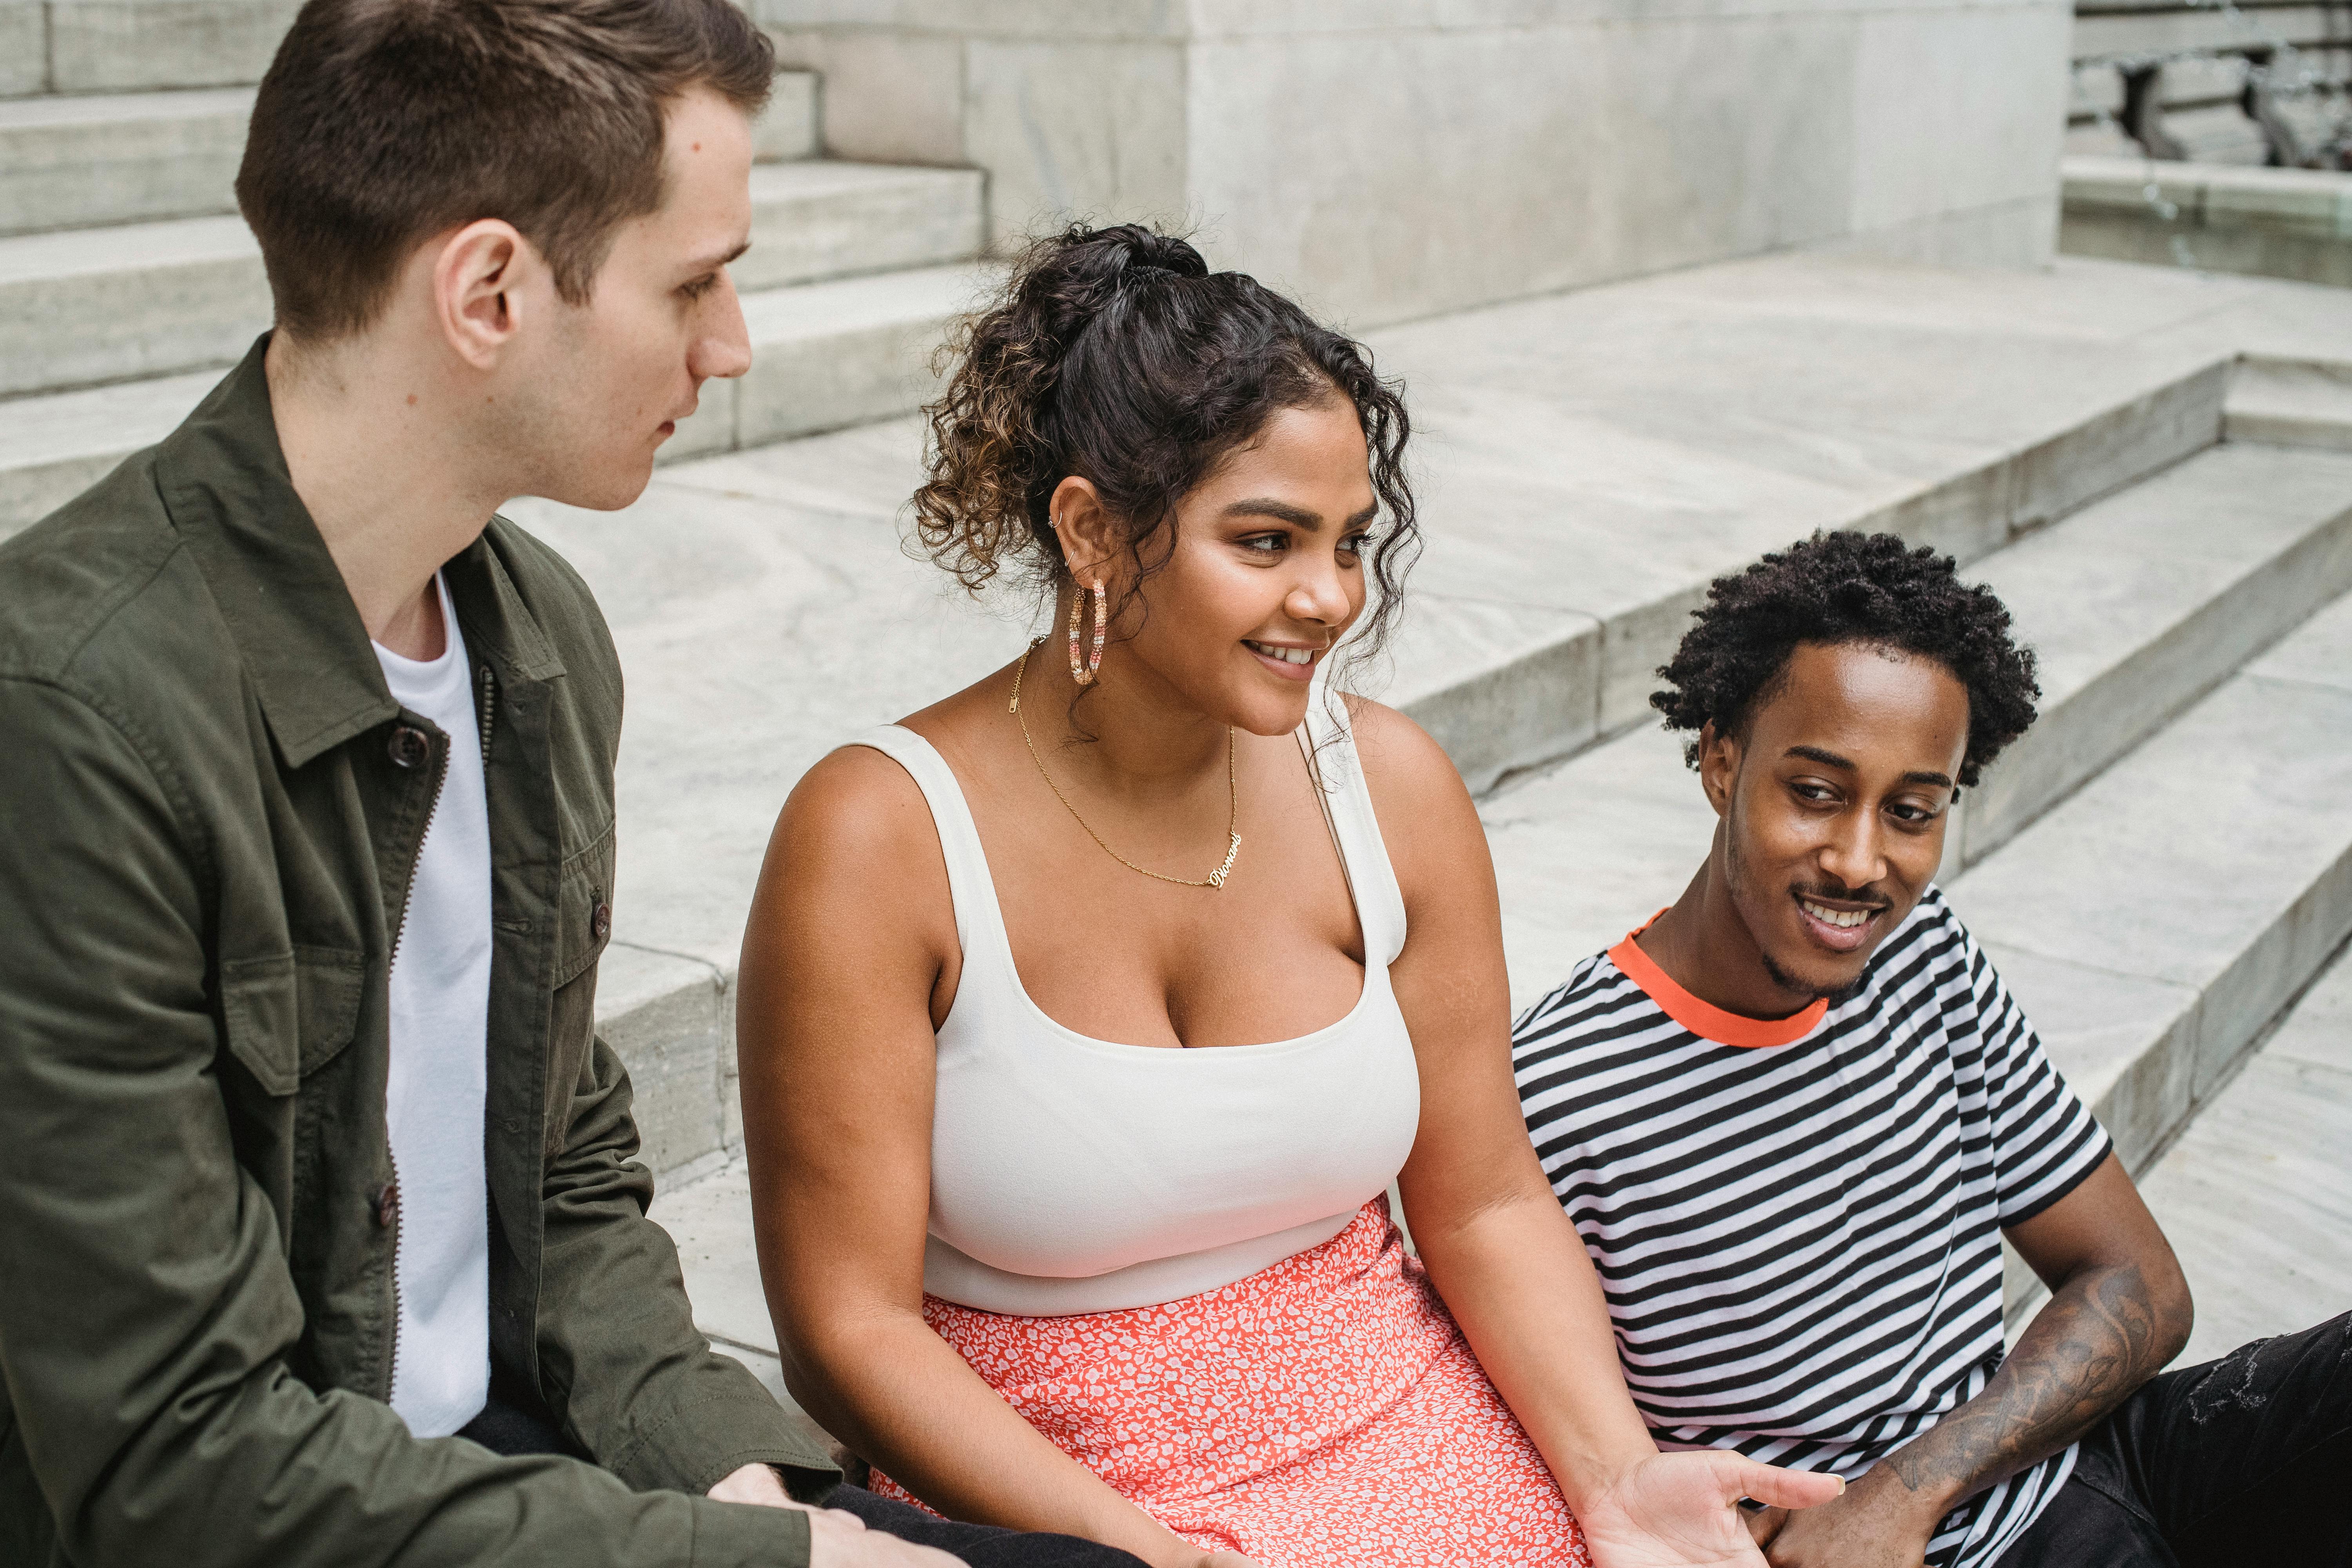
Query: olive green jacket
[212,807]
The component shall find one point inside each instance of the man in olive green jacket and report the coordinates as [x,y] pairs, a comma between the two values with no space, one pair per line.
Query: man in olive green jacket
[497,234]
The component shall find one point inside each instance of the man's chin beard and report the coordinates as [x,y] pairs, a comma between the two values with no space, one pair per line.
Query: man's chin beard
[1811,994]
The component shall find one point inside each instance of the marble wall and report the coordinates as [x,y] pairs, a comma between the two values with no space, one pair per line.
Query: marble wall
[1391,159]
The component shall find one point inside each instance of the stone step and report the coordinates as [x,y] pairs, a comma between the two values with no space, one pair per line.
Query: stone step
[2140,604]
[118,157]
[1540,631]
[54,447]
[85,305]
[2275,1142]
[2151,923]
[74,162]
[1586,463]
[825,355]
[2290,403]
[134,46]
[2157,921]
[2151,926]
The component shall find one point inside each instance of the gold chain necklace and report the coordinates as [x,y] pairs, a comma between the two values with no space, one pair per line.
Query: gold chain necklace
[1215,879]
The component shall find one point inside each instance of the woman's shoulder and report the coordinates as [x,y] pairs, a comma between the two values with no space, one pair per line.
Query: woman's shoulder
[1400,762]
[1428,823]
[857,806]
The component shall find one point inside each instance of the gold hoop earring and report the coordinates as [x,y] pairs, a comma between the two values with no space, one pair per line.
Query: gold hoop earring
[1084,674]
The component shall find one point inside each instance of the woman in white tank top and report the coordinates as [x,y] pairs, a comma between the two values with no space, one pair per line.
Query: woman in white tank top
[1086,1015]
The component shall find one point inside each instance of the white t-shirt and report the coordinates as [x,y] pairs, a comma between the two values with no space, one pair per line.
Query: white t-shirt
[440,1041]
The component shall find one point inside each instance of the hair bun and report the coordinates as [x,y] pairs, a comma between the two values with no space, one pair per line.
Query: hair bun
[1146,250]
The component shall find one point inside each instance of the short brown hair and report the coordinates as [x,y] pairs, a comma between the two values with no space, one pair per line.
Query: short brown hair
[383,121]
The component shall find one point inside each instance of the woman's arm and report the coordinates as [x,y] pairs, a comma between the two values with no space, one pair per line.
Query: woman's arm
[1505,1258]
[848,960]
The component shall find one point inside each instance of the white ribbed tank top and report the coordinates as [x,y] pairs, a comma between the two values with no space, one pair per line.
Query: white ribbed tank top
[1072,1174]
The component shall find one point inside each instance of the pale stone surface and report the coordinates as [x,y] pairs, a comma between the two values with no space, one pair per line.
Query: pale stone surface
[2319,654]
[711,1221]
[817,627]
[1377,159]
[91,305]
[24,47]
[789,126]
[845,351]
[889,97]
[2285,223]
[1585,854]
[1921,73]
[119,159]
[663,1013]
[2291,404]
[2276,1144]
[2140,604]
[52,448]
[818,220]
[98,304]
[2125,1042]
[2218,856]
[1071,129]
[120,46]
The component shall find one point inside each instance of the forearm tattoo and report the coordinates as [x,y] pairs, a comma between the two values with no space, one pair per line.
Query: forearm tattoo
[2100,1338]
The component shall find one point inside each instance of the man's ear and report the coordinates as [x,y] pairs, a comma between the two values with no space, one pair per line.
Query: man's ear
[1718,766]
[1091,538]
[479,280]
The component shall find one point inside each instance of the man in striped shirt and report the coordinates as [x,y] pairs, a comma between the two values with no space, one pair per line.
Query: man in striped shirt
[1794,1114]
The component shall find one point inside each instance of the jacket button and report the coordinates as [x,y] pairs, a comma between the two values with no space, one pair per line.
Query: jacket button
[409,747]
[387,1205]
[600,923]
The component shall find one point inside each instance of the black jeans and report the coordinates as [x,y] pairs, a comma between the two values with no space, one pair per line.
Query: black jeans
[2242,1461]
[514,1423]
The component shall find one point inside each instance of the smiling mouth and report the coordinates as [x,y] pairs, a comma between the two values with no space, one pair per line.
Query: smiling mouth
[1840,918]
[1286,655]
[1839,931]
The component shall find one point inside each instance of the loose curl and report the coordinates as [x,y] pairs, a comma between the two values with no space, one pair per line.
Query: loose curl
[1848,587]
[1116,356]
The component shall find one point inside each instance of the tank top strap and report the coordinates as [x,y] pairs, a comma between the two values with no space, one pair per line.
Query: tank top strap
[980,924]
[1347,805]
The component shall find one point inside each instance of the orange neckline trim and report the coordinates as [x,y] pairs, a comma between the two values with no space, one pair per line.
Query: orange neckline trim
[1705,1019]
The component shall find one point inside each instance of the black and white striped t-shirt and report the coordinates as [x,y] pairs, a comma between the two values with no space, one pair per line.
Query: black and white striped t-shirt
[1799,1223]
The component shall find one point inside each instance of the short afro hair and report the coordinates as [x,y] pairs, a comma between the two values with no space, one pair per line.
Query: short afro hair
[1848,588]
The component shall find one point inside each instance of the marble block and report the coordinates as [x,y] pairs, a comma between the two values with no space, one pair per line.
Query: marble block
[118,158]
[125,46]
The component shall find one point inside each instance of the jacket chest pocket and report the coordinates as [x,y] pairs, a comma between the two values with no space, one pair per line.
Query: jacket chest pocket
[288,1014]
[583,926]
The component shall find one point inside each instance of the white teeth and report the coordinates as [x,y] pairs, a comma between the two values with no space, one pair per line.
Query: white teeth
[1846,918]
[1287,655]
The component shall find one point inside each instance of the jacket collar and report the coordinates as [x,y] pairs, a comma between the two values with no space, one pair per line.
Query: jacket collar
[224,480]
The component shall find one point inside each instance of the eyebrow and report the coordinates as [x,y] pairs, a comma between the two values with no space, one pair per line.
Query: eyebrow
[1266,506]
[1829,759]
[713,263]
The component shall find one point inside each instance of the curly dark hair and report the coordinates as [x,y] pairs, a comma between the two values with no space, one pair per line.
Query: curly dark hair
[1115,355]
[1848,588]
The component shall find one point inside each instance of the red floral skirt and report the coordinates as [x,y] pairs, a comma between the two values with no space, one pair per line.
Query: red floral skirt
[1322,1412]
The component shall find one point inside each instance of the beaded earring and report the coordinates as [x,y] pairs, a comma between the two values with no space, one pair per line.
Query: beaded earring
[1084,674]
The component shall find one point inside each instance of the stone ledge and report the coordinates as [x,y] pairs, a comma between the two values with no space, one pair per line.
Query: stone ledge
[1588,462]
[2310,203]
[2290,403]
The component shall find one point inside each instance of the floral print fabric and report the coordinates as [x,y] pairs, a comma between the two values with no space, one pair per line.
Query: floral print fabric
[1321,1413]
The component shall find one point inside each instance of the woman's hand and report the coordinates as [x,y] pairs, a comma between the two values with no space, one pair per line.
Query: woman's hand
[1682,1510]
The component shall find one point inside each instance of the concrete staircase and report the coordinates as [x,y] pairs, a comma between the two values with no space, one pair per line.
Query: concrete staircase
[2154,468]
[126,282]
[2151,467]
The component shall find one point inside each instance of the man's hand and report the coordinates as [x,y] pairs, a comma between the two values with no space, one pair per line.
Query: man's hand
[1878,1523]
[836,1539]
[1682,1510]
